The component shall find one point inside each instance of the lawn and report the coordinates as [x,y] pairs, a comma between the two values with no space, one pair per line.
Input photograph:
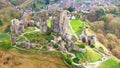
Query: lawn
[111,63]
[77,26]
[29,29]
[90,55]
[4,36]
[49,23]
[38,38]
[39,5]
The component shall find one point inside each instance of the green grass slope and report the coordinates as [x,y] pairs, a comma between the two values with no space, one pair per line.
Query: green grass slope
[111,63]
[90,55]
[77,26]
[4,36]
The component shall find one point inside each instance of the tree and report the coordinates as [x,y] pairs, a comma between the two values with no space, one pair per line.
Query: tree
[6,45]
[55,0]
[71,9]
[111,37]
[102,39]
[92,46]
[81,45]
[114,27]
[14,2]
[98,25]
[116,52]
[100,12]
[92,16]
[47,2]
[76,60]
[112,9]
[1,23]
[112,45]
[105,19]
[69,60]
[56,46]
[33,5]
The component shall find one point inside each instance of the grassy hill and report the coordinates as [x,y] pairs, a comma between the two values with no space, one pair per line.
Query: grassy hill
[7,12]
[25,59]
[43,59]
[4,36]
[17,2]
[111,63]
[90,55]
[77,26]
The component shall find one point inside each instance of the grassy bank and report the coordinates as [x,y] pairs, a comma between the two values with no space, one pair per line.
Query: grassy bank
[90,55]
[111,63]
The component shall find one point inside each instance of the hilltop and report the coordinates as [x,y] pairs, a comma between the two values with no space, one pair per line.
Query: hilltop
[43,34]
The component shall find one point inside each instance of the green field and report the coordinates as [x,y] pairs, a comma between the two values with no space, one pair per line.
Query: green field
[90,55]
[111,63]
[77,26]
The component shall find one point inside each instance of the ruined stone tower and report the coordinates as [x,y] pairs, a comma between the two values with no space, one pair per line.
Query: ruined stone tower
[17,27]
[43,17]
[14,26]
[60,22]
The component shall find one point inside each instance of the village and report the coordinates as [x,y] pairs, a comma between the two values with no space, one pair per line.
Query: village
[79,5]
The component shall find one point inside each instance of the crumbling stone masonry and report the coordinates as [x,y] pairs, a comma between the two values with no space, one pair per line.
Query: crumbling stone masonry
[60,21]
[43,17]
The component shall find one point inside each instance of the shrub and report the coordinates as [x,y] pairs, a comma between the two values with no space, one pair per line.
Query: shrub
[116,52]
[1,23]
[76,60]
[71,9]
[92,46]
[48,36]
[47,1]
[48,33]
[99,13]
[7,29]
[56,46]
[101,49]
[45,46]
[5,44]
[82,45]
[69,61]
[64,56]
[87,27]
[111,37]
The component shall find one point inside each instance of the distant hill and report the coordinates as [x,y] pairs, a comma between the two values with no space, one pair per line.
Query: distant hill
[3,1]
[17,2]
[7,12]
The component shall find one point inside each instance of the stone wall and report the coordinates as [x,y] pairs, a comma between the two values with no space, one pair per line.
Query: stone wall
[43,17]
[60,21]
